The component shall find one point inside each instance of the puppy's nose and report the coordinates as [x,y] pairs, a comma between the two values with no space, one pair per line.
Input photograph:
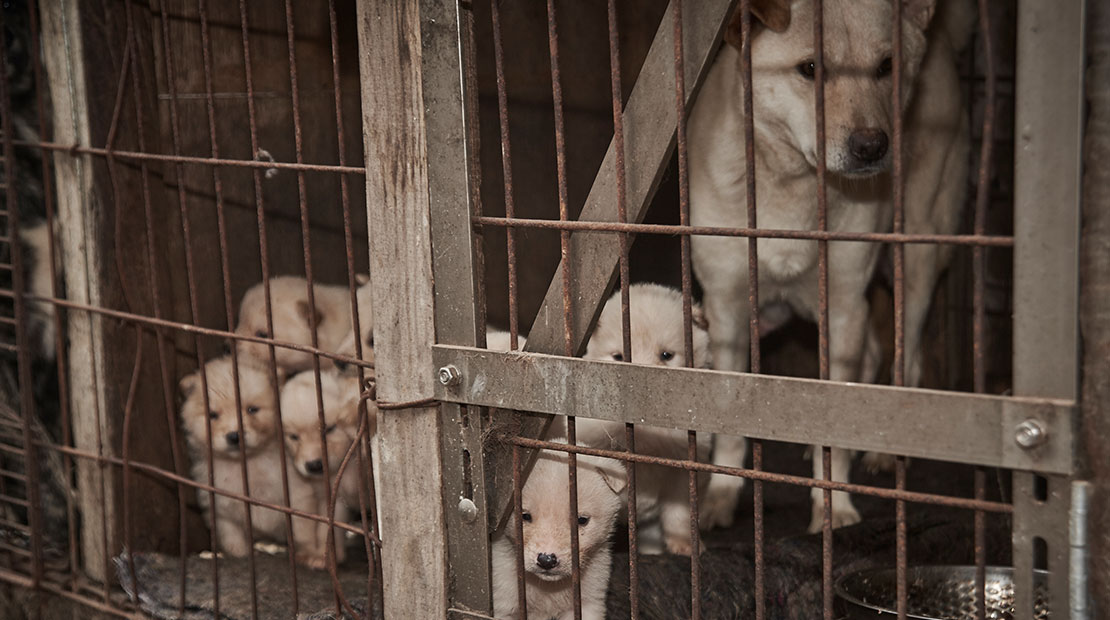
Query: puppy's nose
[868,145]
[314,467]
[547,561]
[232,438]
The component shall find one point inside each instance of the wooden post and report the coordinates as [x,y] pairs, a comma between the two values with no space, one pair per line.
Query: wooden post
[414,565]
[93,430]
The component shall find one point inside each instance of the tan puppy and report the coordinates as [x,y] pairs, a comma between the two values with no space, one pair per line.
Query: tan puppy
[258,441]
[40,282]
[300,413]
[546,527]
[293,321]
[859,118]
[662,493]
[365,327]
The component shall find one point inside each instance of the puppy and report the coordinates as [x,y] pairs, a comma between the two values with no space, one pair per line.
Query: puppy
[257,440]
[294,320]
[307,449]
[365,329]
[40,283]
[546,526]
[662,493]
[859,115]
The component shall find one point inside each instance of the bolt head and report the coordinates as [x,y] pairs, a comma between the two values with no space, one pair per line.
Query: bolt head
[468,509]
[449,376]
[1030,434]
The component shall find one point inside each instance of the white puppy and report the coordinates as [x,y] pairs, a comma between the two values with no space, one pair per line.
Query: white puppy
[294,320]
[859,115]
[546,525]
[40,283]
[306,448]
[258,440]
[656,326]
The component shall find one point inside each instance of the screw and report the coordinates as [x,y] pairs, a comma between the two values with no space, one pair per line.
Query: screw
[1030,434]
[468,510]
[449,375]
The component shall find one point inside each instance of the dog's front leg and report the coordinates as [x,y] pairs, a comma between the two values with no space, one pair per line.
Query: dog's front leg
[848,330]
[726,308]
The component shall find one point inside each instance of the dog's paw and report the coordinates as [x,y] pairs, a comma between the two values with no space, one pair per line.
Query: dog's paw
[680,545]
[316,560]
[877,462]
[718,504]
[843,515]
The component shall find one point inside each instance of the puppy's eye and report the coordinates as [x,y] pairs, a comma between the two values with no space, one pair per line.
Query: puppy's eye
[293,437]
[526,517]
[261,334]
[885,67]
[341,366]
[583,520]
[807,68]
[618,357]
[329,429]
[252,410]
[666,356]
[370,341]
[212,415]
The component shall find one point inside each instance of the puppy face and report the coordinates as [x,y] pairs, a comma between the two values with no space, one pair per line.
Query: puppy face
[858,82]
[366,331]
[300,414]
[655,320]
[293,322]
[257,400]
[546,512]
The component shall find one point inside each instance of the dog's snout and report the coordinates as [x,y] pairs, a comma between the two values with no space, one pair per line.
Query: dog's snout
[314,467]
[868,145]
[547,561]
[232,438]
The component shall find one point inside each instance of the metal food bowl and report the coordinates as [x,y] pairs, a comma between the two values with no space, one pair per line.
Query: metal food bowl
[936,593]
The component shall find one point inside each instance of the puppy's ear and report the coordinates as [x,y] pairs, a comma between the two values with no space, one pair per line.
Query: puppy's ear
[188,385]
[919,12]
[362,278]
[311,316]
[613,473]
[697,317]
[774,14]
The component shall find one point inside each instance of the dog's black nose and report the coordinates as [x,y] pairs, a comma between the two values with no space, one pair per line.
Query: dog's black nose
[232,438]
[547,560]
[868,145]
[314,467]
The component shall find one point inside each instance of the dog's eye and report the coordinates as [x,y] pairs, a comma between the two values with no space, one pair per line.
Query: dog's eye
[618,357]
[885,67]
[329,429]
[666,356]
[807,68]
[341,366]
[370,341]
[212,415]
[252,410]
[526,517]
[293,437]
[583,520]
[262,334]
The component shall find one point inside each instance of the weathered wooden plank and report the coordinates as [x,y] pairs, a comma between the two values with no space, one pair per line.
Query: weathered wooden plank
[63,55]
[394,132]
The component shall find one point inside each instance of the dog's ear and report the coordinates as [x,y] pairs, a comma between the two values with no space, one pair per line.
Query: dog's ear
[613,473]
[697,317]
[774,14]
[188,385]
[919,12]
[362,278]
[311,316]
